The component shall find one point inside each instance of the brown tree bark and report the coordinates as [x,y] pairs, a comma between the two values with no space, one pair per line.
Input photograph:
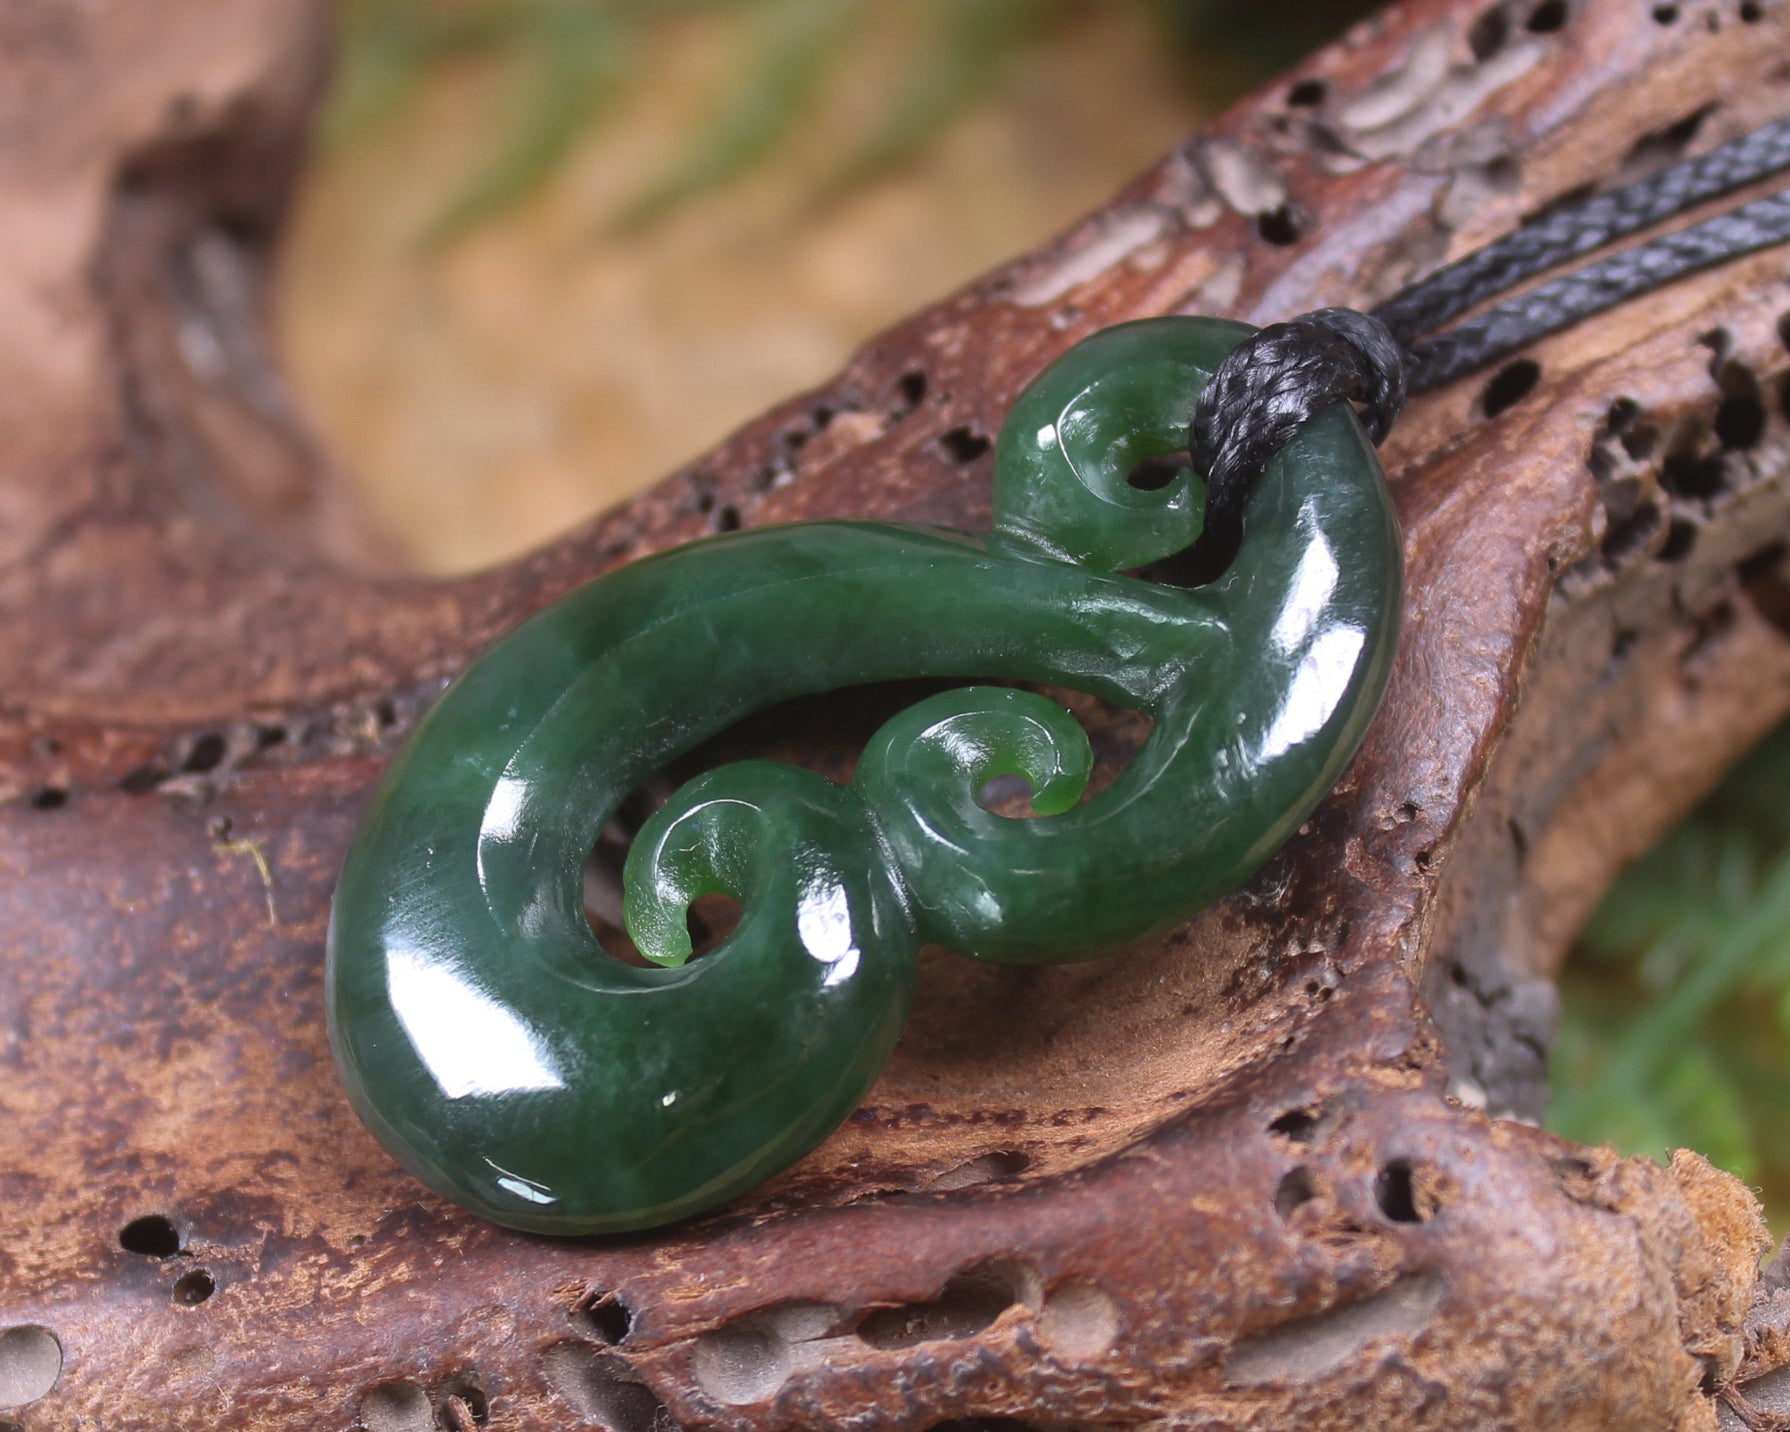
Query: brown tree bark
[1272,1173]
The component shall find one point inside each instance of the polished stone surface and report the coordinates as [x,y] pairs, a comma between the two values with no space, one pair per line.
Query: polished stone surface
[517,1069]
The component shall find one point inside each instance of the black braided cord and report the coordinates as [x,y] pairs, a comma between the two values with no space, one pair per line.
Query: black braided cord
[1577,229]
[1251,408]
[1278,379]
[1519,321]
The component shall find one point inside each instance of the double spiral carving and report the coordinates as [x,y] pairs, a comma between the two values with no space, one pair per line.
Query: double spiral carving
[488,1040]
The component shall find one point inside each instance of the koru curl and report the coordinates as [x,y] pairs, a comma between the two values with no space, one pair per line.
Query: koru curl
[517,1069]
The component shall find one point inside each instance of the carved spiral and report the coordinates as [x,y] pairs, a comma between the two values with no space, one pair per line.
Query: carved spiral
[484,1035]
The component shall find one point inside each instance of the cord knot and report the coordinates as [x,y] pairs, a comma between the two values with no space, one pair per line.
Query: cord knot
[1275,382]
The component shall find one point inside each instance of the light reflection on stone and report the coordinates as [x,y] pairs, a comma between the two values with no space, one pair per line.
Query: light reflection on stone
[470,1043]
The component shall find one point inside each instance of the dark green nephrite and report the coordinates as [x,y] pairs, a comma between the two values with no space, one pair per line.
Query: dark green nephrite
[514,1067]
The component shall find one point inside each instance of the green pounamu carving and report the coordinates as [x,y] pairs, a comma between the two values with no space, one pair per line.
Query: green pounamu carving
[491,1044]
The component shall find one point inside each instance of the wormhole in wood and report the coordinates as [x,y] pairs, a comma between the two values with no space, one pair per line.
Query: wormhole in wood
[967,1304]
[152,1235]
[1297,1186]
[1510,385]
[30,1364]
[604,1316]
[192,1289]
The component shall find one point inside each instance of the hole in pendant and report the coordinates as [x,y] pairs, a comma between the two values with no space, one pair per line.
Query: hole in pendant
[603,872]
[1208,559]
[824,733]
[710,919]
[1308,94]
[806,731]
[1152,474]
[1009,796]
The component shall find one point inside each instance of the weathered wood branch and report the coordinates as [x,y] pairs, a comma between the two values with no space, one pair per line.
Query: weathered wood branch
[1259,1176]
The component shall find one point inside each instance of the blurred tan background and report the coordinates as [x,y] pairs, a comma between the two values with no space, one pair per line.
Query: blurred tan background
[493,388]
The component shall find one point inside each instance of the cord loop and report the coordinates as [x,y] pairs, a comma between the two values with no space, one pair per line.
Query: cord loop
[1275,382]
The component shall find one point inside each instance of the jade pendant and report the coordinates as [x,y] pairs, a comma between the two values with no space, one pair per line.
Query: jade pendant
[489,1042]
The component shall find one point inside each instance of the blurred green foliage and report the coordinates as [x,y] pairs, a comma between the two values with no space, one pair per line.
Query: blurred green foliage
[1676,1029]
[571,63]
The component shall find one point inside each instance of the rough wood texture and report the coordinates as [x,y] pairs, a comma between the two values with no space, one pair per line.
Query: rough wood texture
[1257,1177]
